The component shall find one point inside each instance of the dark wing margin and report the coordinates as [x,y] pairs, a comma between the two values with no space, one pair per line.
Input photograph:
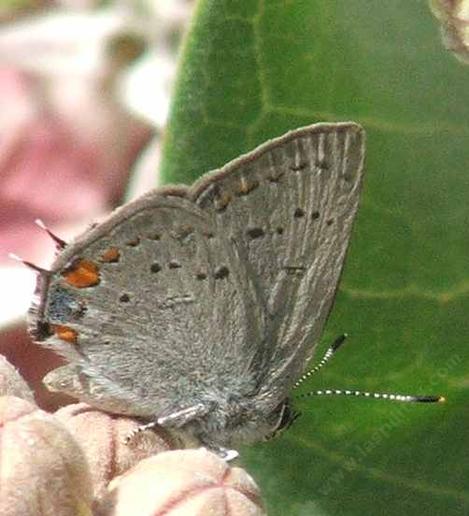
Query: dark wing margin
[289,206]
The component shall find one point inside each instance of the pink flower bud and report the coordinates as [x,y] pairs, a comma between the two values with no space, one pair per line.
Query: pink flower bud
[43,470]
[11,382]
[183,483]
[102,435]
[454,18]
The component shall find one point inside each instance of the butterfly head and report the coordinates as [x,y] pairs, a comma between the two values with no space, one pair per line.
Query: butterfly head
[286,416]
[260,425]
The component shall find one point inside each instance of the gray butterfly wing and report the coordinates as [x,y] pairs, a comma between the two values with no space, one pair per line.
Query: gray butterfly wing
[289,207]
[153,308]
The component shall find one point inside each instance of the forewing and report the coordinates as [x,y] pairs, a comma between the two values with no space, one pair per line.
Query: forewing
[153,306]
[289,207]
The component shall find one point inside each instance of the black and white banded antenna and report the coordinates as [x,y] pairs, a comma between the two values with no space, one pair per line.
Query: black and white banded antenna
[324,360]
[406,398]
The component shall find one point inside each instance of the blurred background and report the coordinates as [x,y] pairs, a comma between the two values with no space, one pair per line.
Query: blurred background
[84,96]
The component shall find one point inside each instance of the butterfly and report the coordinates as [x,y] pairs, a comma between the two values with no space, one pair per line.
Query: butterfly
[198,308]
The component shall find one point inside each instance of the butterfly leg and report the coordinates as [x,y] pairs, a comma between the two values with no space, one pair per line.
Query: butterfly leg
[225,453]
[181,417]
[173,420]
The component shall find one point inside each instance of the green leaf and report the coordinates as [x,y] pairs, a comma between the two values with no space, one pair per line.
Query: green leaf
[252,69]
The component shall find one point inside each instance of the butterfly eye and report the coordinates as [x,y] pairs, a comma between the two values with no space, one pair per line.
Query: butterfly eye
[286,417]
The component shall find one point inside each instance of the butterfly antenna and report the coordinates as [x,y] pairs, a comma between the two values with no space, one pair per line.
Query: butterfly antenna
[36,268]
[406,398]
[59,243]
[326,357]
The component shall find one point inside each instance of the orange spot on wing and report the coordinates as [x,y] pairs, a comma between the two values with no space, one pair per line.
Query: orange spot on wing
[111,255]
[83,273]
[66,333]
